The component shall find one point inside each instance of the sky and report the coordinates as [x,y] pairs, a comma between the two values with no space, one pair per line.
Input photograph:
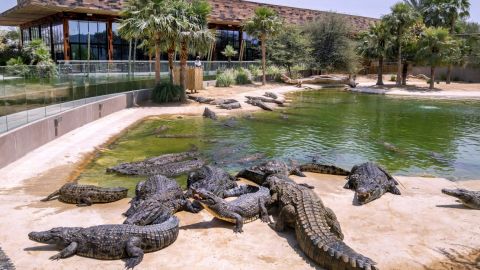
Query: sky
[368,8]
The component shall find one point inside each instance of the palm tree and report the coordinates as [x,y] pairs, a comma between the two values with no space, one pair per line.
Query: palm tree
[418,5]
[229,52]
[401,18]
[147,19]
[446,13]
[435,45]
[374,45]
[193,35]
[262,25]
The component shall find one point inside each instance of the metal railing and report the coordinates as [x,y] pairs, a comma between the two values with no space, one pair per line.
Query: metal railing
[28,94]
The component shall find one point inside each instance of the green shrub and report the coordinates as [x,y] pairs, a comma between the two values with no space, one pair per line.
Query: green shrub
[393,78]
[275,72]
[16,67]
[167,92]
[243,76]
[225,78]
[255,70]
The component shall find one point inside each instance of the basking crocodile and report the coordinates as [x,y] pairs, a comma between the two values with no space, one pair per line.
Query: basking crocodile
[169,169]
[5,263]
[469,198]
[167,188]
[271,95]
[161,163]
[259,173]
[212,179]
[323,169]
[370,182]
[86,195]
[248,207]
[207,113]
[110,242]
[230,106]
[156,199]
[316,227]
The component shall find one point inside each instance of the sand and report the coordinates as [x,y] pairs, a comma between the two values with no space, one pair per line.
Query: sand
[418,88]
[422,229]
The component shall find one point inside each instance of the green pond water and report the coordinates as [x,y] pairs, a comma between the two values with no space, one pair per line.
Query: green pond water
[416,137]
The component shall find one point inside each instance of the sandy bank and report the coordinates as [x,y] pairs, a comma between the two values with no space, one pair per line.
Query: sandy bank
[423,229]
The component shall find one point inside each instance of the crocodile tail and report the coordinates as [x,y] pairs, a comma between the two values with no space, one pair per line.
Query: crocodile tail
[5,262]
[334,255]
[51,196]
[323,169]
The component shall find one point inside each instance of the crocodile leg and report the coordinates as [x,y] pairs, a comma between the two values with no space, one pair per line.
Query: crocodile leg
[134,251]
[85,201]
[332,221]
[287,214]
[51,196]
[264,217]
[192,207]
[66,252]
[239,224]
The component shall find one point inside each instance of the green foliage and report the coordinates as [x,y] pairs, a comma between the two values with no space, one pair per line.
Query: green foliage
[333,50]
[38,54]
[229,52]
[393,78]
[225,78]
[445,13]
[243,76]
[16,67]
[255,70]
[167,92]
[276,72]
[9,45]
[435,46]
[375,42]
[265,23]
[289,48]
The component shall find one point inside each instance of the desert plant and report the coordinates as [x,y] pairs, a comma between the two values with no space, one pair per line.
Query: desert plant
[167,92]
[229,52]
[225,78]
[255,70]
[276,72]
[16,67]
[243,76]
[393,78]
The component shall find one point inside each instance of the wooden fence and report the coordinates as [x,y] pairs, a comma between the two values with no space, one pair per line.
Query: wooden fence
[194,78]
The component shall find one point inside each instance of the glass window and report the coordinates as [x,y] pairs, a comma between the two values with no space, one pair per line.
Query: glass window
[26,35]
[73,31]
[88,40]
[46,36]
[34,32]
[57,38]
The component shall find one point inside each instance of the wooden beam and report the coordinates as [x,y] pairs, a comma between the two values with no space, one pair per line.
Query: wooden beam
[110,39]
[66,40]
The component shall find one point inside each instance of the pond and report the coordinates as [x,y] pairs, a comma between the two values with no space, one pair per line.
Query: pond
[414,137]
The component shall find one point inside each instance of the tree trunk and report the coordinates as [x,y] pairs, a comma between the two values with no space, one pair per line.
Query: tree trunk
[449,74]
[399,64]
[157,64]
[380,71]
[432,77]
[183,69]
[264,60]
[171,54]
[404,73]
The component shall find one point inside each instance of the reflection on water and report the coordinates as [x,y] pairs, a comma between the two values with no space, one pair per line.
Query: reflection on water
[331,126]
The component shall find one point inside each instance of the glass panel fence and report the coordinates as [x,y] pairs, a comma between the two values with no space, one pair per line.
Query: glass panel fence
[29,93]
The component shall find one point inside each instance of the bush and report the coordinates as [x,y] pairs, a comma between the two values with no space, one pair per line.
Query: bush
[16,67]
[225,78]
[255,70]
[167,92]
[243,76]
[275,72]
[393,78]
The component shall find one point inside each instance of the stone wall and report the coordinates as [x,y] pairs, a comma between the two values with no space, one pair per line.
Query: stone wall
[464,74]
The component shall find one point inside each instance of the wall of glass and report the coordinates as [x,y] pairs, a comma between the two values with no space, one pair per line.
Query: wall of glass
[252,48]
[122,46]
[85,35]
[57,41]
[224,38]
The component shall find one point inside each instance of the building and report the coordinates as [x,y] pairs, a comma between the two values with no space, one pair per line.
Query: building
[70,27]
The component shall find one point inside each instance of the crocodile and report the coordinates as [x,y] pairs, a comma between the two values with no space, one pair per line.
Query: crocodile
[266,100]
[323,169]
[110,242]
[259,103]
[155,199]
[200,99]
[207,113]
[230,106]
[86,195]
[259,173]
[212,179]
[158,184]
[370,182]
[271,95]
[5,263]
[469,198]
[141,167]
[250,206]
[170,169]
[317,229]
